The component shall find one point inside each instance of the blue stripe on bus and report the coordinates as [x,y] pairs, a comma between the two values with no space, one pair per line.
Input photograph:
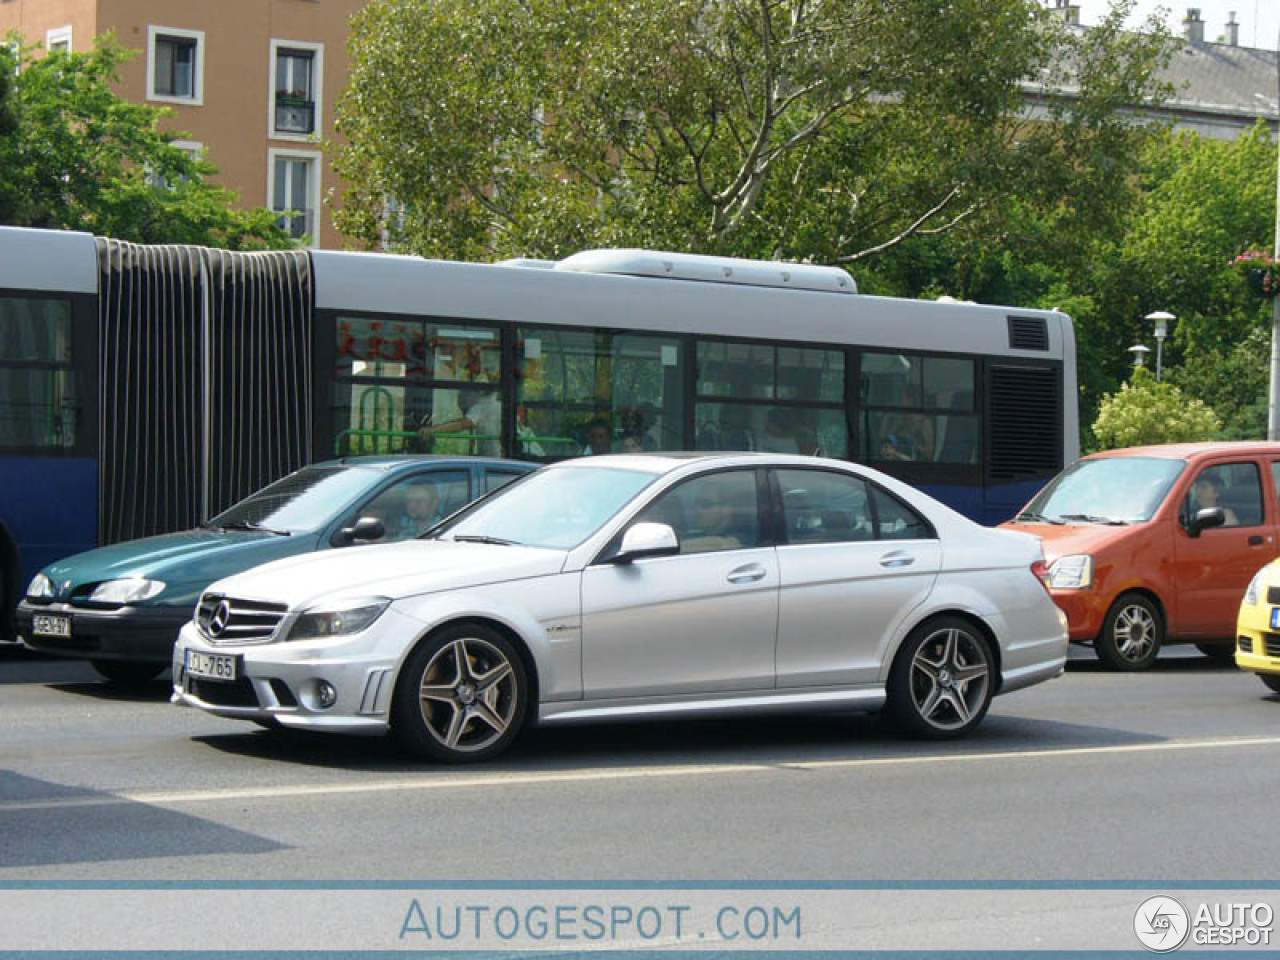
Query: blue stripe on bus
[51,505]
[989,505]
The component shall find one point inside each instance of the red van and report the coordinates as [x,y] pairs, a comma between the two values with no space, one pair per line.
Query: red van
[1154,545]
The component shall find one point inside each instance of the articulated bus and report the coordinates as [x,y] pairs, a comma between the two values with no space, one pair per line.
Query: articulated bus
[145,388]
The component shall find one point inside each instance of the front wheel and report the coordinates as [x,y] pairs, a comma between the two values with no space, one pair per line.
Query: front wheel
[1272,680]
[461,695]
[1131,634]
[942,680]
[128,671]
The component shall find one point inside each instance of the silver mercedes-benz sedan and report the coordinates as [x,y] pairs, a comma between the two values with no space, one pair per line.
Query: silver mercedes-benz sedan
[620,587]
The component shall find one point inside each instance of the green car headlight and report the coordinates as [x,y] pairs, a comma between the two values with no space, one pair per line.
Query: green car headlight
[132,590]
[349,617]
[41,588]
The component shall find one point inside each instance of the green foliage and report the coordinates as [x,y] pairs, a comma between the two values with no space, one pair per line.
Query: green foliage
[826,132]
[79,157]
[1145,412]
[1235,379]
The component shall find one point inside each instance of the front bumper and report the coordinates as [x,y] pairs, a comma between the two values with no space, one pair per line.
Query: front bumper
[1254,637]
[144,634]
[279,681]
[1085,612]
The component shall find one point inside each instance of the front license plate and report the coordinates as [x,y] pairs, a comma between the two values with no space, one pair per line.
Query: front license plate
[1275,618]
[211,666]
[48,625]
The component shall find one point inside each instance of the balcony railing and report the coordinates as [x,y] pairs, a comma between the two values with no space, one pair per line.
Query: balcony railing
[294,115]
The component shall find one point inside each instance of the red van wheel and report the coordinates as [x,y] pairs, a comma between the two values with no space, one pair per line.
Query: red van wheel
[1131,635]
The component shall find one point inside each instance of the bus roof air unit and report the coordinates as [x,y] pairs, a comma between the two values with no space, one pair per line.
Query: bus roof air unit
[692,266]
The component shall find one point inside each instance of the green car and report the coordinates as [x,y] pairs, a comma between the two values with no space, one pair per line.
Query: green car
[122,606]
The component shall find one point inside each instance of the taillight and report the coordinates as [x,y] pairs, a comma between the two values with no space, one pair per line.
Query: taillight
[1041,570]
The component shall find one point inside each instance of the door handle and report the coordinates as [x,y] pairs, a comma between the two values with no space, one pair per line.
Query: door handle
[897,559]
[747,574]
[1255,540]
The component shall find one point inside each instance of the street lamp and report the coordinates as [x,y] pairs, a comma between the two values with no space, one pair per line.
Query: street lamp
[1139,352]
[1162,320]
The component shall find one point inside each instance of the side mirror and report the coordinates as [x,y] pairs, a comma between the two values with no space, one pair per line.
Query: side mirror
[647,540]
[1206,518]
[366,528]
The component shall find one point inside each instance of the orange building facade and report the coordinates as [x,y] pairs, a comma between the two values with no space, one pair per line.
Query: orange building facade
[252,84]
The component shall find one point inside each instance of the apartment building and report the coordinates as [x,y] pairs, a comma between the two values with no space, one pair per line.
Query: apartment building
[251,83]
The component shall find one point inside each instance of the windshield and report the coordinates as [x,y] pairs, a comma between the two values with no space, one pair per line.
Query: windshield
[555,508]
[1110,490]
[301,502]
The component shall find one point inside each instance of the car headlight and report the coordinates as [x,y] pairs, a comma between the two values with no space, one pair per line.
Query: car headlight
[1255,586]
[41,588]
[131,590]
[337,621]
[1074,572]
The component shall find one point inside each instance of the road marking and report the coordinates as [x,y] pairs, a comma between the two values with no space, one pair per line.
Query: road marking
[457,782]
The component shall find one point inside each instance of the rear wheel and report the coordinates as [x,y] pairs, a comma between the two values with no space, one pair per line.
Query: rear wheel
[942,680]
[1272,680]
[1220,653]
[461,696]
[1131,634]
[128,671]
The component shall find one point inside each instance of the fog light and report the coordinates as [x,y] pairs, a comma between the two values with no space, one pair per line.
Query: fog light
[326,695]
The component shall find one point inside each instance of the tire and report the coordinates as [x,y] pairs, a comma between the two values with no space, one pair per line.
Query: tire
[129,672]
[1219,653]
[10,583]
[461,696]
[1131,634]
[942,680]
[1272,680]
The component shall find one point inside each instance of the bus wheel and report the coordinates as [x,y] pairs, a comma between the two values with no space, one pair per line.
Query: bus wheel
[128,671]
[1131,634]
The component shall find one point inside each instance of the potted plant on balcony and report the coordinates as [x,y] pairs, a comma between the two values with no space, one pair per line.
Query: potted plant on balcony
[1261,271]
[292,98]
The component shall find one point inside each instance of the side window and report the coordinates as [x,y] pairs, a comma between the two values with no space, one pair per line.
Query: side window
[710,513]
[497,479]
[896,521]
[824,507]
[1235,487]
[414,505]
[918,408]
[38,403]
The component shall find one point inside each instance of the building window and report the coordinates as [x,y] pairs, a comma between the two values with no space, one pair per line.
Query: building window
[295,193]
[191,148]
[175,70]
[58,40]
[297,71]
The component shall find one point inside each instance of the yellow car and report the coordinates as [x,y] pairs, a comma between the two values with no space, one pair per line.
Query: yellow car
[1258,627]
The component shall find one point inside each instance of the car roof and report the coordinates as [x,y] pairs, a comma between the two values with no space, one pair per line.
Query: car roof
[390,462]
[669,462]
[1194,451]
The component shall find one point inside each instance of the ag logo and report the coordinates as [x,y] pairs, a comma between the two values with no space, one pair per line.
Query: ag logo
[1162,924]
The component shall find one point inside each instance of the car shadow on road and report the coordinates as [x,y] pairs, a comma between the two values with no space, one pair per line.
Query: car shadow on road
[1179,663]
[765,741]
[155,691]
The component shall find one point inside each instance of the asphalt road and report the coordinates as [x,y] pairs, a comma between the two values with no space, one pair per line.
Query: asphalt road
[1093,776]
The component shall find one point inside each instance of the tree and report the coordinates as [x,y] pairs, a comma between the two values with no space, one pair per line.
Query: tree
[1144,412]
[823,131]
[79,157]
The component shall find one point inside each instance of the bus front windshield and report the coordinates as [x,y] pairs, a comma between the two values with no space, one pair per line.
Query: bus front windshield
[556,508]
[1116,490]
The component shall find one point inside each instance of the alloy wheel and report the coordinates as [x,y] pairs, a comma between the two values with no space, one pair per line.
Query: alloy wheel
[468,695]
[950,674]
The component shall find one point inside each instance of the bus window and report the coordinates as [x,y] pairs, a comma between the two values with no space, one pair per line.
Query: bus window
[38,402]
[918,408]
[812,431]
[397,376]
[591,391]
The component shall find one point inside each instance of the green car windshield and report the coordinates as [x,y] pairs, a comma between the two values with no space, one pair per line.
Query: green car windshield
[301,502]
[1108,490]
[557,508]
